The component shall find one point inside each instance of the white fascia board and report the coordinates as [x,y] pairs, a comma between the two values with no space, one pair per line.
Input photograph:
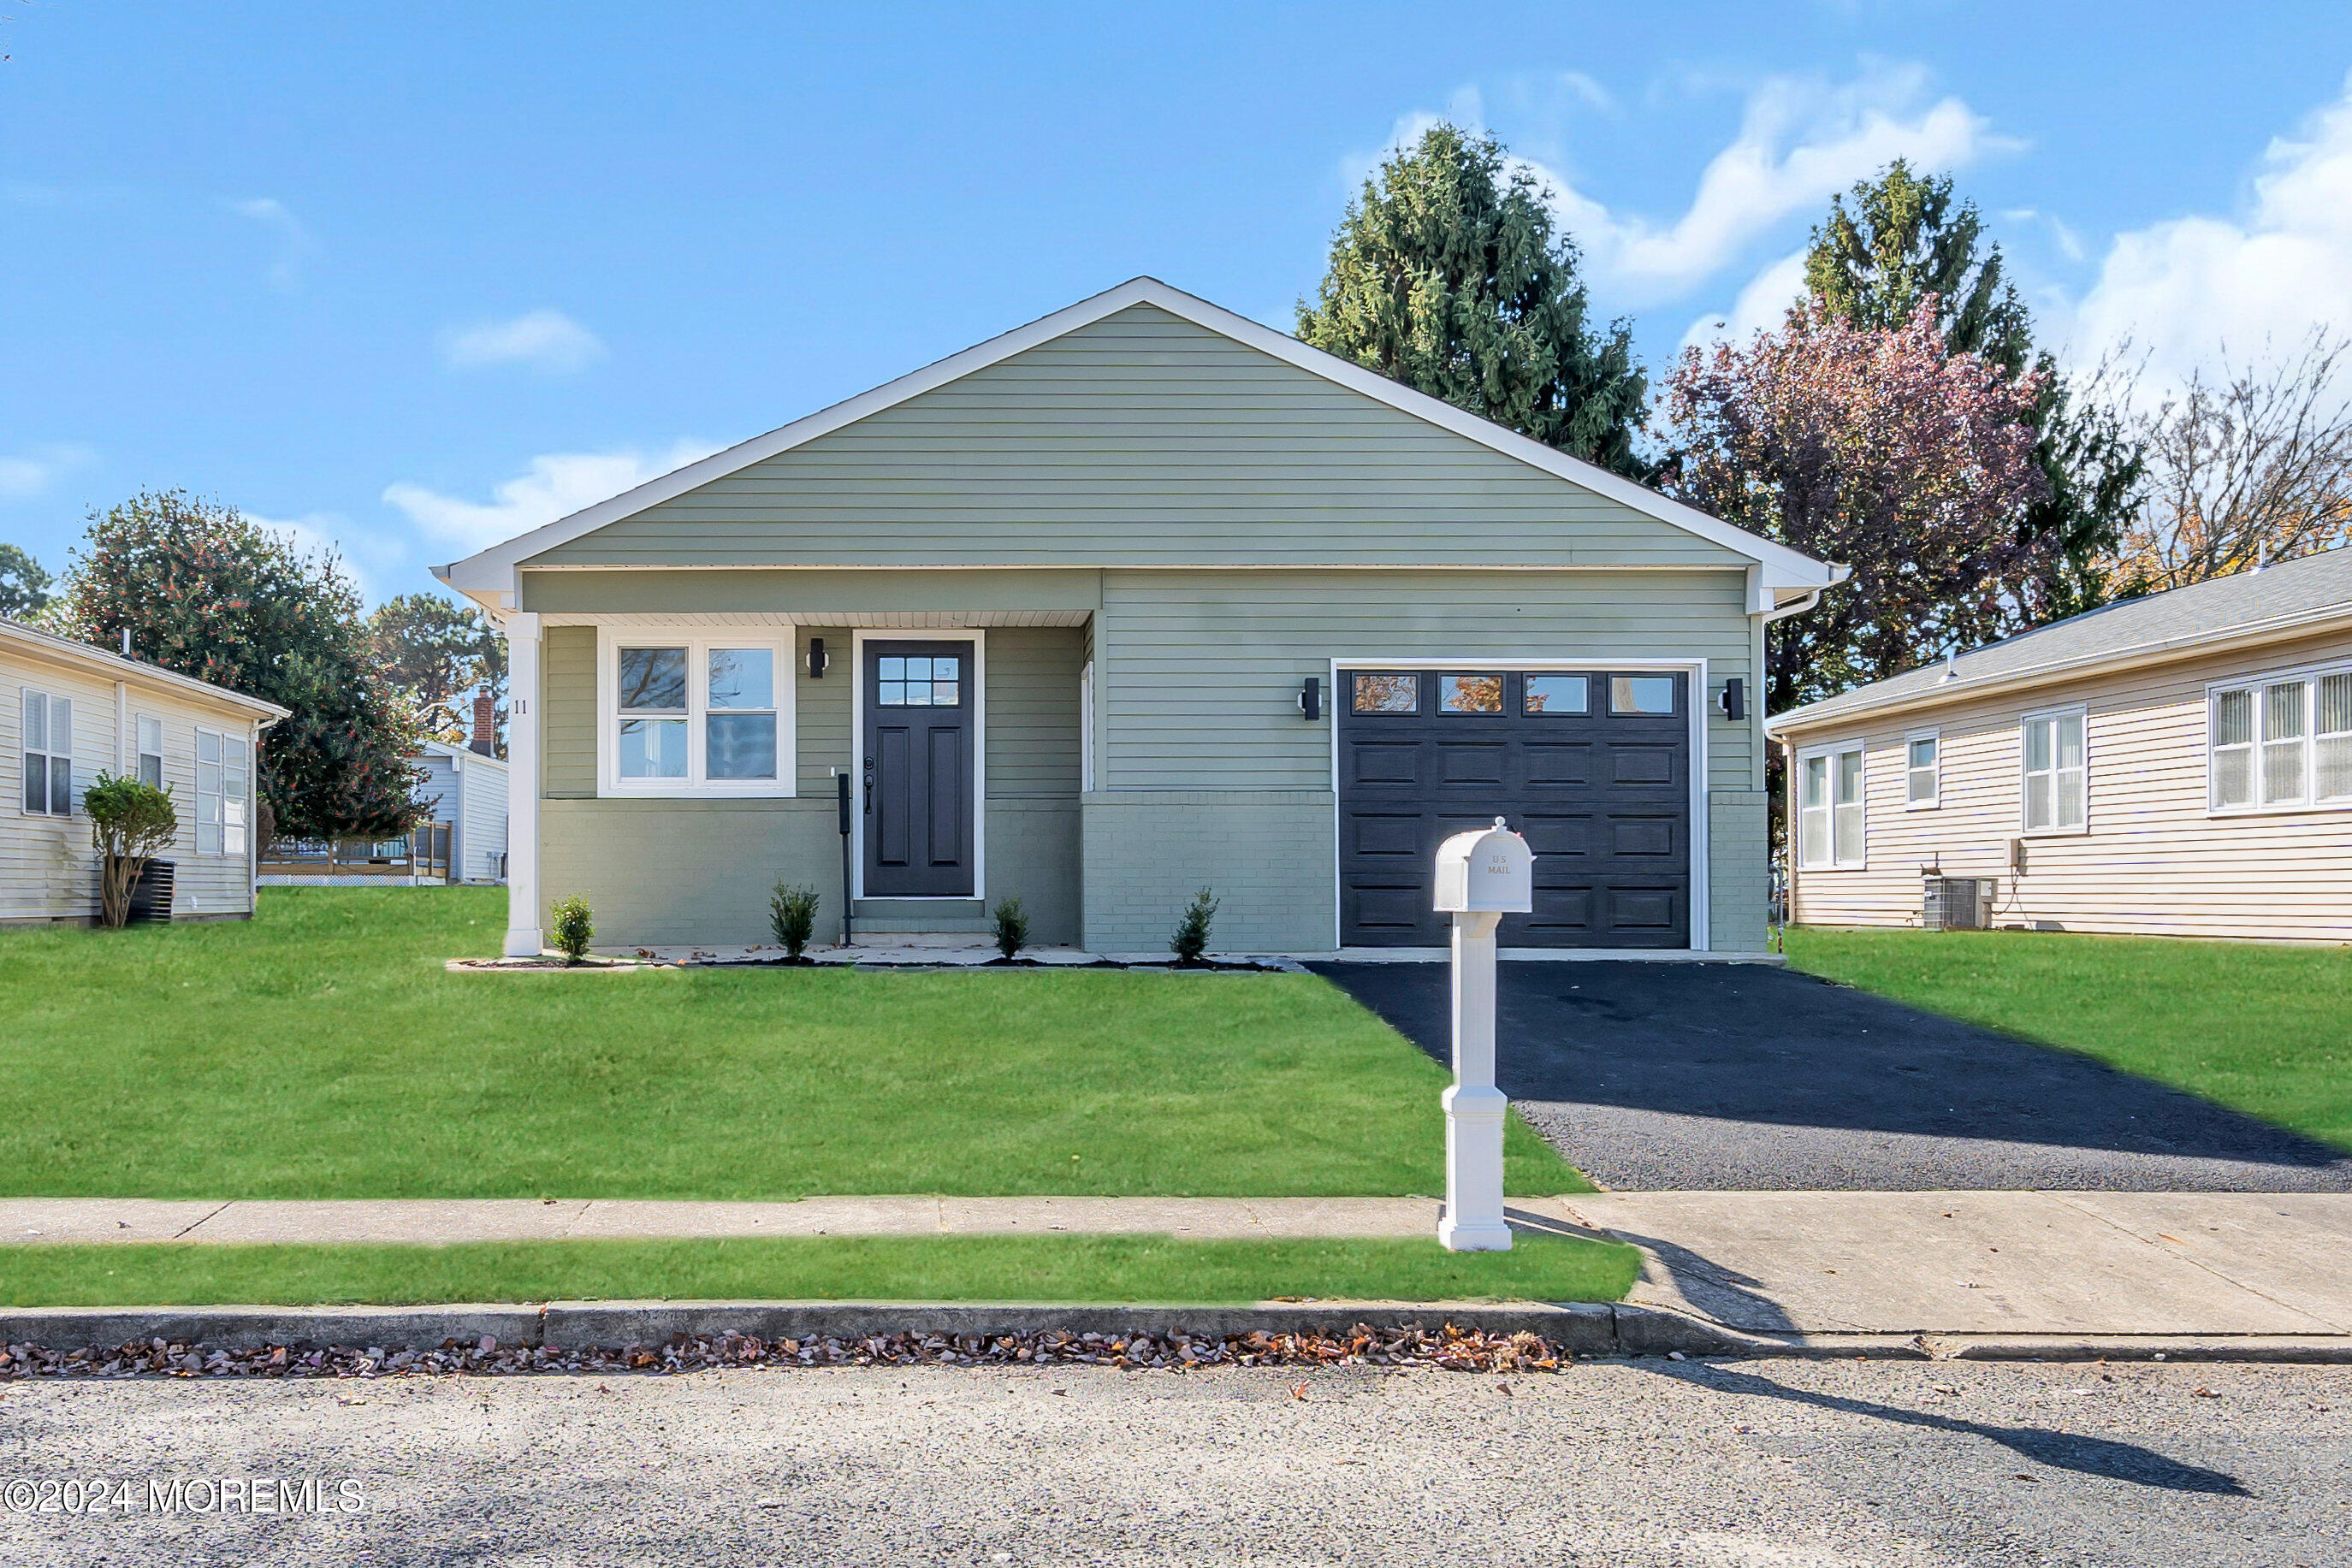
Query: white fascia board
[65,650]
[492,572]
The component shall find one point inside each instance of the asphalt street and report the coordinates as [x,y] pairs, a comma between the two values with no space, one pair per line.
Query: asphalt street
[1823,1465]
[1745,1077]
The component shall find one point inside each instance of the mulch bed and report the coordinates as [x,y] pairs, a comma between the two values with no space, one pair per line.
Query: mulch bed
[1448,1349]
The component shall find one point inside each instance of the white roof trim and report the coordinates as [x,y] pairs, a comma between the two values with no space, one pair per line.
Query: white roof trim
[118,668]
[492,572]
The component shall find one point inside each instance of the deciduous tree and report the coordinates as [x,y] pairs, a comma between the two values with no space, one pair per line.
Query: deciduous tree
[24,584]
[438,652]
[1446,274]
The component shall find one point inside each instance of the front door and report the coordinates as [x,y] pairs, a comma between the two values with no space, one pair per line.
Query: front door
[918,764]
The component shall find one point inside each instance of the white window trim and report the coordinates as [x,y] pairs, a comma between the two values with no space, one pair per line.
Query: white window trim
[1936,800]
[2082,828]
[196,826]
[2311,675]
[24,750]
[1861,801]
[697,642]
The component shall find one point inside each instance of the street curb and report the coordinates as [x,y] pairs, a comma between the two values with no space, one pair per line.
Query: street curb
[1587,1330]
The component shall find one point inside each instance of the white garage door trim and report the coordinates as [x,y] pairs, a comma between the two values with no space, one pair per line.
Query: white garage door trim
[1701,877]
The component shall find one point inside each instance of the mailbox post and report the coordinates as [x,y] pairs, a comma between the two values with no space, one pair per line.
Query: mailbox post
[1482,876]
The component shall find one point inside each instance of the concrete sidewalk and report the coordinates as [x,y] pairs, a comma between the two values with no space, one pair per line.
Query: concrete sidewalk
[1774,1263]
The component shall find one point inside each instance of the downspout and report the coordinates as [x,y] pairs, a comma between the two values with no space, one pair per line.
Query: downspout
[1788,752]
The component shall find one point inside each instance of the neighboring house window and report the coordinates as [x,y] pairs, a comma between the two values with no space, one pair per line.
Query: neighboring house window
[2282,743]
[48,754]
[2054,773]
[151,751]
[1922,771]
[1829,809]
[701,715]
[222,783]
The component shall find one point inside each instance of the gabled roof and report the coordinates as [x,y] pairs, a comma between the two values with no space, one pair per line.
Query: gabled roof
[2299,597]
[491,573]
[431,748]
[115,667]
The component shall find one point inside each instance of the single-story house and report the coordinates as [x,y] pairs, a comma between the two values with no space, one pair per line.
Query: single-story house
[1139,599]
[2176,764]
[72,711]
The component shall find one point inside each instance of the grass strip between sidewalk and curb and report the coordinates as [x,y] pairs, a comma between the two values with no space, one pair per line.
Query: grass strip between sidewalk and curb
[1082,1269]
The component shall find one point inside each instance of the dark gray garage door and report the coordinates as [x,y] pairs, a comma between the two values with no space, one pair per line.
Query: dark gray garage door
[1593,768]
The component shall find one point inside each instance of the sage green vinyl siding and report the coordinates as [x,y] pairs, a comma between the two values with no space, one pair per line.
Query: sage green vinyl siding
[1140,439]
[981,596]
[1201,670]
[1032,808]
[567,711]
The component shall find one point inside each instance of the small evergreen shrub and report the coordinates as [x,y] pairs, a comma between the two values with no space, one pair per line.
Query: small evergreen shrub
[1012,926]
[792,916]
[1191,938]
[575,925]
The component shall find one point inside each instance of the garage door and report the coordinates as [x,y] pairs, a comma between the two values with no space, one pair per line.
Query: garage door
[1593,768]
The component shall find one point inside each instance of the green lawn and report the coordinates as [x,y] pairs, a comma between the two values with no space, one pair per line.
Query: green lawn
[880,1267]
[322,1051]
[2267,1029]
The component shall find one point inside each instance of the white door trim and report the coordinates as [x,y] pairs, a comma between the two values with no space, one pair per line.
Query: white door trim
[978,638]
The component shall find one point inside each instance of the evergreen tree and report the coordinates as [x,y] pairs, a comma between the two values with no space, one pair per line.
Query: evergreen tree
[210,595]
[24,584]
[436,653]
[1446,274]
[1904,241]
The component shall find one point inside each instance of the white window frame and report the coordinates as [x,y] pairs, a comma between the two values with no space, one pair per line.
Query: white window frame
[47,750]
[140,754]
[697,643]
[2078,712]
[1935,770]
[2254,683]
[1859,804]
[230,830]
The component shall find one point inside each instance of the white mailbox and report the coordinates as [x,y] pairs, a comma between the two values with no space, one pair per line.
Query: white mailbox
[1488,871]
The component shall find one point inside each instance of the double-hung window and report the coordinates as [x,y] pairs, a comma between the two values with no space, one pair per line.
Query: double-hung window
[1923,757]
[698,715]
[2055,777]
[224,780]
[48,754]
[2281,743]
[1830,810]
[151,751]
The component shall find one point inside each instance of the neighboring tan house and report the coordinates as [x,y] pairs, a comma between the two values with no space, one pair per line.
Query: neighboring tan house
[70,711]
[2178,764]
[1140,599]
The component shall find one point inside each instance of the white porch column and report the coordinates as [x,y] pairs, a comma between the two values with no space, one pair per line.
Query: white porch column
[524,939]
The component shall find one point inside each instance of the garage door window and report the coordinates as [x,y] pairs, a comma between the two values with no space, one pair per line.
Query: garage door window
[1388,694]
[1559,694]
[1470,693]
[1642,694]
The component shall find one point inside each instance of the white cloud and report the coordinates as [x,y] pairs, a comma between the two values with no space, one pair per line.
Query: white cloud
[1761,305]
[1801,140]
[556,484]
[29,473]
[294,242]
[2183,290]
[366,554]
[543,339]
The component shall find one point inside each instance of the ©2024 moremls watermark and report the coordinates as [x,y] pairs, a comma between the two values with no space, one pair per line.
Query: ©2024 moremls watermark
[247,1494]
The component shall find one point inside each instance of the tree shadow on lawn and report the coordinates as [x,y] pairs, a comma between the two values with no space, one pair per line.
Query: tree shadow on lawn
[1753,1043]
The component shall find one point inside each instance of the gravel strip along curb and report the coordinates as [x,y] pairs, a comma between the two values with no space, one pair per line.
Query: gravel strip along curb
[616,1336]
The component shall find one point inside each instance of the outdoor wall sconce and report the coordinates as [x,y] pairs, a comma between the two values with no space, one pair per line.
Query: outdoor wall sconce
[1735,698]
[1310,698]
[817,658]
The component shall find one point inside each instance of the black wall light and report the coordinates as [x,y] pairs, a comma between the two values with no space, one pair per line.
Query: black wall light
[1735,698]
[817,658]
[1310,697]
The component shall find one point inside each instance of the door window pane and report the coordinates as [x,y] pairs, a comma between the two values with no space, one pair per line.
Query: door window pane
[1470,693]
[653,749]
[1641,694]
[653,678]
[742,678]
[740,744]
[936,681]
[1387,693]
[1557,694]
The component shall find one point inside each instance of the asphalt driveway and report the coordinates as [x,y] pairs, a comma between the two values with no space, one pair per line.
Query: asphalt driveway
[1747,1077]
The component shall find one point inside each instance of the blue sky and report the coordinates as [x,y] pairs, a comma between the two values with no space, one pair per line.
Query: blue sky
[412,278]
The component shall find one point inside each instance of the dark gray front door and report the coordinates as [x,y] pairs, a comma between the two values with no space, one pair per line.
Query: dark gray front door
[918,764]
[1592,767]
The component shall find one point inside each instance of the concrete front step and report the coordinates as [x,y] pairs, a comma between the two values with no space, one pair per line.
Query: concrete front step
[918,912]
